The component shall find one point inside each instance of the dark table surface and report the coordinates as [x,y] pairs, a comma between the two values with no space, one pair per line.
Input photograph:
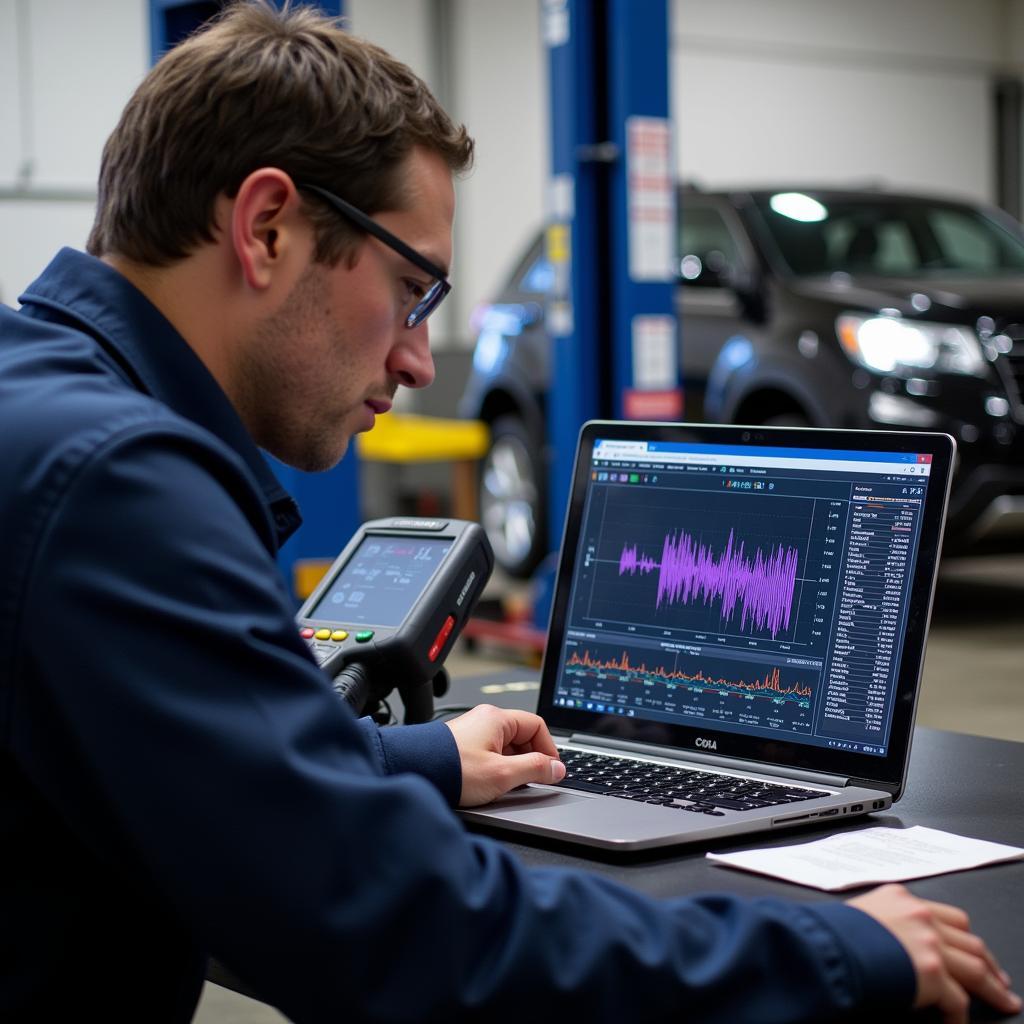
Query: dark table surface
[968,785]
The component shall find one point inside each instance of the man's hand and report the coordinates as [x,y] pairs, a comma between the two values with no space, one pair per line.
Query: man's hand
[500,750]
[950,962]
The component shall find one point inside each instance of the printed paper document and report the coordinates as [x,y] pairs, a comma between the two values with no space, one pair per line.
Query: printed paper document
[873,855]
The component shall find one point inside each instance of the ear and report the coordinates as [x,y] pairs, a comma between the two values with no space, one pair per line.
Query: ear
[268,233]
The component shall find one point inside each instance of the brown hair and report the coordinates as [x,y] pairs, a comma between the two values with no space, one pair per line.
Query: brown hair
[262,87]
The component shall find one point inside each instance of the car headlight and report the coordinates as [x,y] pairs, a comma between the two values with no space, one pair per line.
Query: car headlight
[890,344]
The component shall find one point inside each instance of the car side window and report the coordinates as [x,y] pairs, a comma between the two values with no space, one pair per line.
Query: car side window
[707,248]
[965,242]
[875,246]
[897,253]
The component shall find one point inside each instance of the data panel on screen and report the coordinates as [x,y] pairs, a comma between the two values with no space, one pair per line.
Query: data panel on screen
[755,590]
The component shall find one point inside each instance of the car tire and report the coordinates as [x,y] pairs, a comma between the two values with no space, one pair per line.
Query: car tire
[512,497]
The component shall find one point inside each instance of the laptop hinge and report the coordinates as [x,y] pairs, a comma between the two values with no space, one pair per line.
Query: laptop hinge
[732,763]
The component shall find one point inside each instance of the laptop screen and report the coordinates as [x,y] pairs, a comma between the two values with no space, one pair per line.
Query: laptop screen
[753,593]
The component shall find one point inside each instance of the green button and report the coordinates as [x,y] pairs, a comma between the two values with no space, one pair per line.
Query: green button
[364,635]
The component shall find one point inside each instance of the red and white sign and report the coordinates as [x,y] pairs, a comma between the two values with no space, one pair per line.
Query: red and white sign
[653,405]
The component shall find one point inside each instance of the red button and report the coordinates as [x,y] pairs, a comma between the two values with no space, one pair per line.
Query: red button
[443,634]
[306,633]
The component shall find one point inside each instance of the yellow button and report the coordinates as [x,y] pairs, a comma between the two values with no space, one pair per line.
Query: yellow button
[323,634]
[339,634]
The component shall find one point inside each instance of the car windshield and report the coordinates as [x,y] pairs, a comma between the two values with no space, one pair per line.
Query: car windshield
[819,234]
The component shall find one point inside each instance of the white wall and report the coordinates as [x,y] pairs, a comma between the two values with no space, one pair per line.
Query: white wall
[402,27]
[66,70]
[797,90]
[85,60]
[10,118]
[501,93]
[30,235]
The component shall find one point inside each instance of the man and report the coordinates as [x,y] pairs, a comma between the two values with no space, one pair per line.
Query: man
[178,779]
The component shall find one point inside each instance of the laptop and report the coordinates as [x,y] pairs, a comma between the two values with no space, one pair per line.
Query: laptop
[737,631]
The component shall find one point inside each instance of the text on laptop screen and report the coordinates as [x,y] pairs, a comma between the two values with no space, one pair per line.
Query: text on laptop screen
[755,590]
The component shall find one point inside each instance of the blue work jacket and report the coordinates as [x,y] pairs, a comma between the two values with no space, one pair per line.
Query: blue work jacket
[179,781]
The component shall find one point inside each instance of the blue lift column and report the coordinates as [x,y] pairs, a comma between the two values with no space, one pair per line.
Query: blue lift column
[645,340]
[611,224]
[577,191]
[329,501]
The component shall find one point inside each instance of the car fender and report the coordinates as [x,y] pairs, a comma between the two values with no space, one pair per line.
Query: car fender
[506,394]
[741,371]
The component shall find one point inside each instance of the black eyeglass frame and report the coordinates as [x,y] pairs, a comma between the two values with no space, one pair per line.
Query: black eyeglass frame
[435,293]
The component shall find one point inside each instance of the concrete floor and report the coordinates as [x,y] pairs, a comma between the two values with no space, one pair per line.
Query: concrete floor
[974,682]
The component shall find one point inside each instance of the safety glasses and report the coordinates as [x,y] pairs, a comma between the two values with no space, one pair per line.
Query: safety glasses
[433,296]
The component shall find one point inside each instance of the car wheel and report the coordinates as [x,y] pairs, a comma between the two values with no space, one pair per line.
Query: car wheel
[512,497]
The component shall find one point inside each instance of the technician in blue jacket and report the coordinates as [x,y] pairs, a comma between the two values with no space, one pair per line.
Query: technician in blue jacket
[177,778]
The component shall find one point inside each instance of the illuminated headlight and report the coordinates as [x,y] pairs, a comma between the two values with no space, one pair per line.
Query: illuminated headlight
[891,345]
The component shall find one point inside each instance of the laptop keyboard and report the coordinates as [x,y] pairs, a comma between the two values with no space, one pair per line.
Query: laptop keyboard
[683,788]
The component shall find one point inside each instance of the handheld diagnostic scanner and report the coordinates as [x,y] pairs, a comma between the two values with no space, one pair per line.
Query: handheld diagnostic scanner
[389,609]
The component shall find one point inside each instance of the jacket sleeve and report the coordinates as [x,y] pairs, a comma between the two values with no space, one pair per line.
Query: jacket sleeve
[213,760]
[429,749]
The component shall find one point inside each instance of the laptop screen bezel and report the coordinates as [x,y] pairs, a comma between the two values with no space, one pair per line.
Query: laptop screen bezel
[885,772]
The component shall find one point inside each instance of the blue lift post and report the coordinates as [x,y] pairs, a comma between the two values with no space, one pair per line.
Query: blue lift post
[645,341]
[611,223]
[573,31]
[171,20]
[329,501]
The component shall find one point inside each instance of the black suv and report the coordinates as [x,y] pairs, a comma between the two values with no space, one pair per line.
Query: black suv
[809,307]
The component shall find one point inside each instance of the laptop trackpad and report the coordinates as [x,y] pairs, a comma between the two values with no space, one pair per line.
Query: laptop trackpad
[533,800]
[598,819]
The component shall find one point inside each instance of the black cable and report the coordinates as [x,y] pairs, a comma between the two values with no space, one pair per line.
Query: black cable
[389,717]
[353,686]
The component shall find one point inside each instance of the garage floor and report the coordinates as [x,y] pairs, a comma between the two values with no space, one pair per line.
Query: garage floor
[974,682]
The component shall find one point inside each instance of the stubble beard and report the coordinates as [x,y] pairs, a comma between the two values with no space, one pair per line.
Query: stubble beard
[271,384]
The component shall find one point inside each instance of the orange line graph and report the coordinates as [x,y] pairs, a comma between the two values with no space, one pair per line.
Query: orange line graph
[771,684]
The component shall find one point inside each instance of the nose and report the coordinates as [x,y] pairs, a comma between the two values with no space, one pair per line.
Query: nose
[410,361]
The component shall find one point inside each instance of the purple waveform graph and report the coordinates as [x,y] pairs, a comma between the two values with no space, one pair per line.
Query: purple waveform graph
[762,585]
